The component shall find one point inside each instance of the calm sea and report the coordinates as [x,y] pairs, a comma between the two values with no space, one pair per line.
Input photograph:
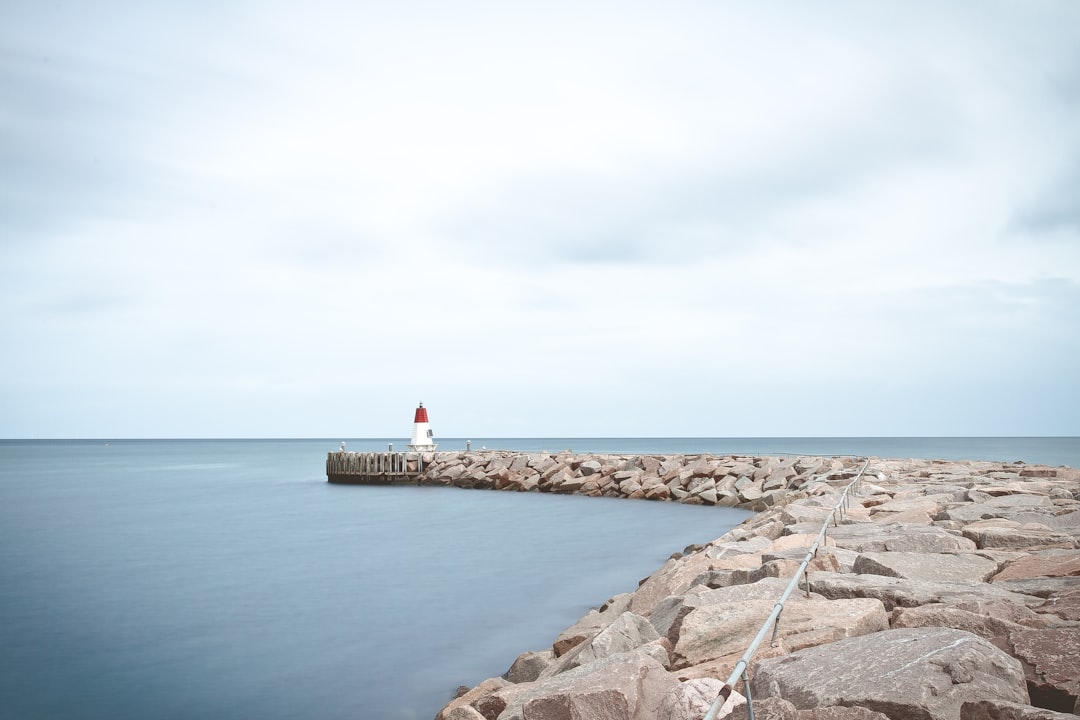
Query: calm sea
[226,578]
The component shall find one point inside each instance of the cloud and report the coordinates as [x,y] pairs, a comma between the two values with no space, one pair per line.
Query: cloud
[289,220]
[1054,214]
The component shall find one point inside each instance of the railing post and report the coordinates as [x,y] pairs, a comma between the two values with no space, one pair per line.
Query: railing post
[746,694]
[776,628]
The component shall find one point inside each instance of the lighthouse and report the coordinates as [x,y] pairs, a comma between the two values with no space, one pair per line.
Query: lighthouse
[422,437]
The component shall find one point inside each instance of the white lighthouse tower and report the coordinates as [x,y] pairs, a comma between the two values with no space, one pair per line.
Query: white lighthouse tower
[422,437]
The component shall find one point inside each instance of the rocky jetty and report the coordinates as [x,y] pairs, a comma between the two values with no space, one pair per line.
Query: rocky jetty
[754,483]
[943,590]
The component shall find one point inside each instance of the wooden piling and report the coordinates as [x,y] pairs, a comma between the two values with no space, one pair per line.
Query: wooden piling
[372,468]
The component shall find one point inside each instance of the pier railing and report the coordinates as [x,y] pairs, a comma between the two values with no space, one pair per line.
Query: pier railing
[373,467]
[741,667]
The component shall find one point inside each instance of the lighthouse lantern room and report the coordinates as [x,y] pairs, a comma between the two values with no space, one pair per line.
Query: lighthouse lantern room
[422,437]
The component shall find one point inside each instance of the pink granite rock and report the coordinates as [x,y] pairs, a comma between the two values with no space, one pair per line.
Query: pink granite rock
[727,619]
[898,537]
[999,710]
[693,698]
[901,592]
[590,624]
[528,666]
[463,712]
[912,673]
[769,708]
[938,567]
[1051,659]
[675,577]
[625,633]
[630,686]
[1052,564]
[946,616]
[467,699]
[840,712]
[1026,537]
[1065,605]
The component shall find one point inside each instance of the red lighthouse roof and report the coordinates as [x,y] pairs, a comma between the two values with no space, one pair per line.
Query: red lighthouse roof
[421,414]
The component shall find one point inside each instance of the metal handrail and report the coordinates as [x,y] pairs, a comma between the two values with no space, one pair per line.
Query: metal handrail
[741,667]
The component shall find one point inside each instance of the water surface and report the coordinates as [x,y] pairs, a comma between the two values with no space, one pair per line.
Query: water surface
[183,579]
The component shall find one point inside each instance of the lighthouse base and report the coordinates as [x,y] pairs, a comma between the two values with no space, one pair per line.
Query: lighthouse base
[422,448]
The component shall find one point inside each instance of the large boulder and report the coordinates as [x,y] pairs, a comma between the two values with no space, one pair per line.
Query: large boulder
[669,614]
[808,623]
[591,623]
[929,504]
[805,514]
[675,577]
[529,666]
[627,686]
[626,633]
[900,592]
[463,712]
[1041,587]
[1030,536]
[774,708]
[1000,710]
[719,624]
[1007,506]
[1051,660]
[589,467]
[898,537]
[470,697]
[943,567]
[1069,521]
[825,558]
[693,698]
[1049,564]
[777,567]
[771,708]
[950,616]
[801,541]
[1065,605]
[763,537]
[925,673]
[1007,611]
[840,712]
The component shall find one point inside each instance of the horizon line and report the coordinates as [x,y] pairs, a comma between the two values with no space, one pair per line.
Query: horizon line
[549,437]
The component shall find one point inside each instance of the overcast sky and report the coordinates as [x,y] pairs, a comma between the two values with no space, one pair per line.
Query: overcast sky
[253,219]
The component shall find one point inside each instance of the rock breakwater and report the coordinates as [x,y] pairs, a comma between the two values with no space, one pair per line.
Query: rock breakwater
[753,483]
[945,590]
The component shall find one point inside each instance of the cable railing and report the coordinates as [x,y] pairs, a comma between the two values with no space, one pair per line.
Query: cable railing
[741,667]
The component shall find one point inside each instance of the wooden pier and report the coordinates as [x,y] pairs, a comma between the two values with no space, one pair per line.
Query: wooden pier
[373,468]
